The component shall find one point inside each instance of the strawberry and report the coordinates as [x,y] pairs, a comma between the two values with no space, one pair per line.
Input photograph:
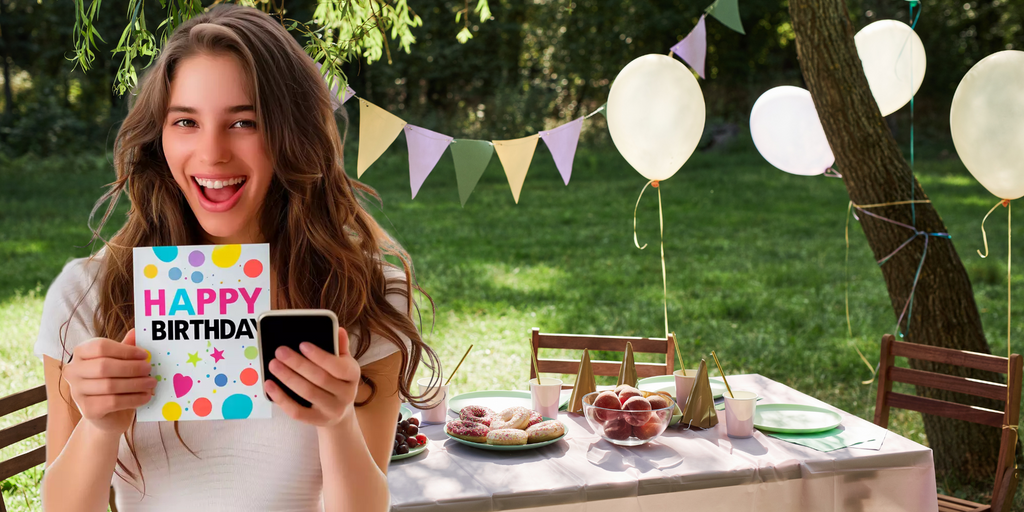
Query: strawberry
[422,439]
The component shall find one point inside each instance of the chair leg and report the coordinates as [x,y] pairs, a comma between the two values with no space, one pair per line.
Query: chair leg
[113,503]
[1004,501]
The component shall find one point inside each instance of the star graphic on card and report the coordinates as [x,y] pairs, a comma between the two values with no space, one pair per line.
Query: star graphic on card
[193,358]
[217,355]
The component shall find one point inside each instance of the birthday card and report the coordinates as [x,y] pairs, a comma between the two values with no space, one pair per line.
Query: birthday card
[195,314]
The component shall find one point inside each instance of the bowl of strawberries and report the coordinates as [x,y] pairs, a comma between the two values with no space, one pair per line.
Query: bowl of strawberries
[627,416]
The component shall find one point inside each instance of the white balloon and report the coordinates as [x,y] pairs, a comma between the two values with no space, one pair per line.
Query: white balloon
[894,62]
[655,115]
[787,132]
[987,121]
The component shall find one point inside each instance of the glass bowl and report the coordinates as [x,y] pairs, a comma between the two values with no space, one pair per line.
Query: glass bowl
[626,428]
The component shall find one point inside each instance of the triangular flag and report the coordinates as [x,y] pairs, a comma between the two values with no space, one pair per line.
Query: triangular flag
[562,143]
[515,156]
[694,47]
[425,149]
[377,130]
[585,383]
[349,92]
[700,406]
[627,371]
[728,12]
[471,158]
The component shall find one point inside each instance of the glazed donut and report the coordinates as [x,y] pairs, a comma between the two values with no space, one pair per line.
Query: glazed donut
[545,431]
[535,418]
[468,430]
[477,414]
[507,436]
[514,417]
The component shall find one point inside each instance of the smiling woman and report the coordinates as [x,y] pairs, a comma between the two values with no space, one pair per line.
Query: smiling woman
[232,140]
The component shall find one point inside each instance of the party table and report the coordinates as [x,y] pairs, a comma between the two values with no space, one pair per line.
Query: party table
[681,468]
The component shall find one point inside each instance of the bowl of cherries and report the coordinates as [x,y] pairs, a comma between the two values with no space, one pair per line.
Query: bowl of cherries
[408,441]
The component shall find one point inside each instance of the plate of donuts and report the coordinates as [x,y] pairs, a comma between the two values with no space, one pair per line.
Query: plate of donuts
[481,436]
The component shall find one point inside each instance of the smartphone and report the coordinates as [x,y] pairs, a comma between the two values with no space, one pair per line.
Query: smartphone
[289,328]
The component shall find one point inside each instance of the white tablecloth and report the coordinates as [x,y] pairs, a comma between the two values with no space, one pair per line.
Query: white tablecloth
[679,470]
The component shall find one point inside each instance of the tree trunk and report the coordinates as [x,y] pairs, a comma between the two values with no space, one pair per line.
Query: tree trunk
[8,92]
[874,171]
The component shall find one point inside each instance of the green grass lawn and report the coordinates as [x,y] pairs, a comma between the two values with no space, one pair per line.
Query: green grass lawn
[755,262]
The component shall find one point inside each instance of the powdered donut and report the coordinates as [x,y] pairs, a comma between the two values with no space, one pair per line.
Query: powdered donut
[477,414]
[507,436]
[545,431]
[535,418]
[513,417]
[467,430]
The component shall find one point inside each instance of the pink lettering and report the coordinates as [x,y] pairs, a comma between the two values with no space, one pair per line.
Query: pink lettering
[250,302]
[227,296]
[150,302]
[206,296]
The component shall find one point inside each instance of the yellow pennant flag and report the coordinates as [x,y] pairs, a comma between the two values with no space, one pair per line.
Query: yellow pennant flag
[378,128]
[515,156]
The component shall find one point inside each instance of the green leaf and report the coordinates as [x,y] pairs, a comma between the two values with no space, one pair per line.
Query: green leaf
[464,35]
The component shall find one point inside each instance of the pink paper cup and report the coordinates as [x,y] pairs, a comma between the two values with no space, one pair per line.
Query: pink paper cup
[437,411]
[684,383]
[739,413]
[546,396]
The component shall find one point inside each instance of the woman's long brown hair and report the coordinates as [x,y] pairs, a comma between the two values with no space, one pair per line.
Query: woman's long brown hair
[326,249]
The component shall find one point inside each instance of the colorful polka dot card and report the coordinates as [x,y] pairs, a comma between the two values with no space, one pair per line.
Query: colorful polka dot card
[195,314]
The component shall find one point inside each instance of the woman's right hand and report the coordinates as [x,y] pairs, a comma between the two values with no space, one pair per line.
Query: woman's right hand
[109,380]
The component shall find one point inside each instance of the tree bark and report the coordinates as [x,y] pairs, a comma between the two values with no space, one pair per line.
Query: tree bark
[874,171]
[8,92]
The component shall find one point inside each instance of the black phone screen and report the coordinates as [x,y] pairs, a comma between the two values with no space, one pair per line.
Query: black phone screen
[290,331]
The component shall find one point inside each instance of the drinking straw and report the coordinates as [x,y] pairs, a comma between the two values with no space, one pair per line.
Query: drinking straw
[679,354]
[536,367]
[458,365]
[719,365]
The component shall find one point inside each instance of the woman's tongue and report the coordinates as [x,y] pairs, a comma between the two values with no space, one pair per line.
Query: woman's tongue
[219,195]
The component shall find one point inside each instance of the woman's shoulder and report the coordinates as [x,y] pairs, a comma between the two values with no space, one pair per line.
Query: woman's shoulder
[69,307]
[78,276]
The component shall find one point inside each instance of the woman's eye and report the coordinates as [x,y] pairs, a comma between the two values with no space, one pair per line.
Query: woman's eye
[184,123]
[245,123]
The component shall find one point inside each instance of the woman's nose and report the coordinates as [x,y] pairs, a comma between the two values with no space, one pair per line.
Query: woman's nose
[214,147]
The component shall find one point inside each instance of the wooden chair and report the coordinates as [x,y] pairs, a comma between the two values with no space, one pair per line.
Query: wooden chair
[605,343]
[23,431]
[1006,476]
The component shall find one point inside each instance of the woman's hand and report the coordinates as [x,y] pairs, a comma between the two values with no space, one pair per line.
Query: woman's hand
[108,380]
[329,382]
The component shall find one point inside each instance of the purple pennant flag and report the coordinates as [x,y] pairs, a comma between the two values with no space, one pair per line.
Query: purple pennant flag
[694,47]
[425,149]
[562,143]
[349,92]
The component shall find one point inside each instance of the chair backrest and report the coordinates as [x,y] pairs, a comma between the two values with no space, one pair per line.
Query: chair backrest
[601,343]
[20,432]
[1005,477]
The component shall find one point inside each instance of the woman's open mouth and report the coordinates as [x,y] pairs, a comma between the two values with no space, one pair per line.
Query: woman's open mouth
[218,194]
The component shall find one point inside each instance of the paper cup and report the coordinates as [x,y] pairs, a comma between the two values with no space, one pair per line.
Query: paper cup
[684,383]
[739,413]
[436,411]
[546,396]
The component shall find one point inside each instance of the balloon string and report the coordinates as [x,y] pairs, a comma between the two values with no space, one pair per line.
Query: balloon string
[635,241]
[661,232]
[984,237]
[1009,245]
[846,270]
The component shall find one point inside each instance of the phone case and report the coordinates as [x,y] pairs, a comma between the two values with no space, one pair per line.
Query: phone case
[265,357]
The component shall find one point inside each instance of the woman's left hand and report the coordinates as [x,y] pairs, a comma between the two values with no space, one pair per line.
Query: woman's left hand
[327,381]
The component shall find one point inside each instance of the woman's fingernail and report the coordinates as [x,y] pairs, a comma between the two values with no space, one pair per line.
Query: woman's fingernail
[306,347]
[282,353]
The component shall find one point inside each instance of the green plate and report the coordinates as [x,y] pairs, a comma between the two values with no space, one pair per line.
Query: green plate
[795,418]
[508,448]
[496,400]
[405,411]
[412,453]
[667,383]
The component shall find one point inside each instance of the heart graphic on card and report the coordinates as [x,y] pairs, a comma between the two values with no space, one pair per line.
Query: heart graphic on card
[182,385]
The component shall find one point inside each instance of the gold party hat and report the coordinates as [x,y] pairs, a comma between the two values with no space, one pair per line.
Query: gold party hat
[585,383]
[627,372]
[700,406]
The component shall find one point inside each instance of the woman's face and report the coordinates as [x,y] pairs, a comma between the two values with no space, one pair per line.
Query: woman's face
[214,149]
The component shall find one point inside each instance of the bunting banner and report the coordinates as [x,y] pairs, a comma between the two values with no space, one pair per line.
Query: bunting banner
[378,128]
[425,149]
[727,12]
[349,92]
[515,156]
[471,158]
[694,47]
[562,142]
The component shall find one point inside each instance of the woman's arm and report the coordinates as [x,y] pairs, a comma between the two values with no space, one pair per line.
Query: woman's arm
[355,453]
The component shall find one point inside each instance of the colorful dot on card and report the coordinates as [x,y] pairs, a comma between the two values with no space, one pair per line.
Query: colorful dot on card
[236,407]
[224,256]
[221,380]
[251,352]
[166,254]
[197,277]
[158,378]
[249,377]
[148,355]
[171,411]
[149,271]
[174,273]
[253,268]
[196,258]
[215,391]
[202,407]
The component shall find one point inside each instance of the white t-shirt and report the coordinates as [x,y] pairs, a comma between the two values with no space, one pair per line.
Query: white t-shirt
[244,465]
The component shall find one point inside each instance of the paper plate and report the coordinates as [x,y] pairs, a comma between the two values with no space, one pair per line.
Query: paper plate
[667,383]
[795,418]
[412,453]
[508,448]
[406,412]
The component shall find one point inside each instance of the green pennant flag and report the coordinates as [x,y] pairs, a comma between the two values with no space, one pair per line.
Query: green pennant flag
[471,158]
[727,12]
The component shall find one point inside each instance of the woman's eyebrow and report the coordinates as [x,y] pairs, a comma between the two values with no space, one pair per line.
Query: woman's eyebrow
[231,110]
